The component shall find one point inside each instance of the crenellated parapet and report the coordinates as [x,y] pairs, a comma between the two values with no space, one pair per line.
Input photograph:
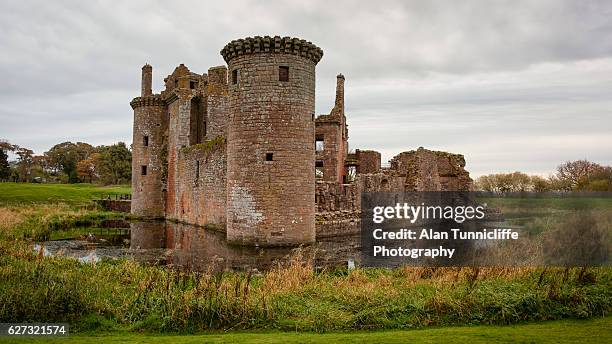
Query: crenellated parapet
[152,100]
[276,44]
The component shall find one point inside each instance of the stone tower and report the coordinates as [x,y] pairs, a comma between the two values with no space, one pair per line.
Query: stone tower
[147,150]
[270,143]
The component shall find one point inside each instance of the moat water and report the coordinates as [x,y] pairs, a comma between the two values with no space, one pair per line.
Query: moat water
[191,247]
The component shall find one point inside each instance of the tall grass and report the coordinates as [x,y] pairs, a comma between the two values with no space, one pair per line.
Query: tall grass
[292,296]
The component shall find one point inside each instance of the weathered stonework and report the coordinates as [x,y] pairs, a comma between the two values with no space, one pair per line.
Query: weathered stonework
[332,131]
[238,149]
[368,161]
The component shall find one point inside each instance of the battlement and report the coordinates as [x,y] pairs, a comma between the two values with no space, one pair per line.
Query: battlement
[276,44]
[152,100]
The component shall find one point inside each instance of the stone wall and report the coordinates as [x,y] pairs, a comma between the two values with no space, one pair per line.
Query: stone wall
[337,209]
[426,170]
[187,106]
[339,205]
[329,130]
[122,206]
[201,194]
[218,103]
[368,161]
[332,130]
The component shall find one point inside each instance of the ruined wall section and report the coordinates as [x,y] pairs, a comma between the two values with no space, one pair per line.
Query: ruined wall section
[332,129]
[337,209]
[339,205]
[201,194]
[270,150]
[368,161]
[426,170]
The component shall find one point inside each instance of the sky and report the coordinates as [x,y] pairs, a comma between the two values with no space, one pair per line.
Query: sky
[511,85]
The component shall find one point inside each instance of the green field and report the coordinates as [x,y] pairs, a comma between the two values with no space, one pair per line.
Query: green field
[597,330]
[72,194]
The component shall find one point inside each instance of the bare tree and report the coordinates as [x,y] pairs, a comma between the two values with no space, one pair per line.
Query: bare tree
[573,174]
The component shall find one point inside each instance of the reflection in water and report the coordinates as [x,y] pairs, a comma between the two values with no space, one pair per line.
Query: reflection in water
[200,249]
[191,247]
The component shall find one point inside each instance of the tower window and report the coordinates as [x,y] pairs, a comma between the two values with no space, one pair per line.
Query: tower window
[269,156]
[197,171]
[234,76]
[145,140]
[192,85]
[143,170]
[283,73]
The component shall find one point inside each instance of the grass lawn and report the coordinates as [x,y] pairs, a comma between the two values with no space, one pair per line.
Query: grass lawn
[72,194]
[598,330]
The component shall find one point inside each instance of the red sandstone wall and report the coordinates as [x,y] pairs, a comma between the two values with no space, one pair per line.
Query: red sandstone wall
[332,155]
[427,170]
[201,191]
[218,103]
[368,161]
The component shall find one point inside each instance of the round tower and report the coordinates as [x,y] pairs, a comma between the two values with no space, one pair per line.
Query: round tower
[270,143]
[148,150]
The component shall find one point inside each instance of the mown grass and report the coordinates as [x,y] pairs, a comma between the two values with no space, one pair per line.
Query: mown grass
[598,330]
[71,194]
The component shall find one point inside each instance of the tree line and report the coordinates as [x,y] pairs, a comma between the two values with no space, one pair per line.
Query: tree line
[78,162]
[67,162]
[579,175]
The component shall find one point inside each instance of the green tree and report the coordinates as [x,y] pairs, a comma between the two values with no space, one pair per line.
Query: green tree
[114,163]
[64,157]
[5,168]
[86,169]
[600,180]
[25,163]
[511,182]
[540,184]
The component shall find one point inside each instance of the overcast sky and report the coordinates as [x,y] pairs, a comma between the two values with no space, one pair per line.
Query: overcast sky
[511,85]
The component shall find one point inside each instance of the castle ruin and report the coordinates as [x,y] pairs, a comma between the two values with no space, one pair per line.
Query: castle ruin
[240,149]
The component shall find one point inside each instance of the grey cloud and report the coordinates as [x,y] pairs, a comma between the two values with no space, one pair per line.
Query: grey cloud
[441,74]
